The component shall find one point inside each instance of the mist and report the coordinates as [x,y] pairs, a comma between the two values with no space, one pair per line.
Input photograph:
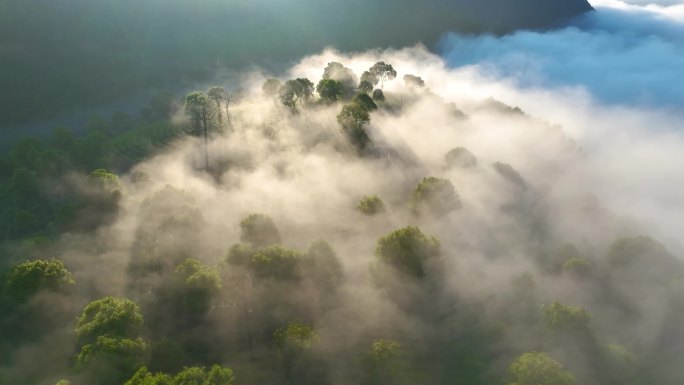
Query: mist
[578,140]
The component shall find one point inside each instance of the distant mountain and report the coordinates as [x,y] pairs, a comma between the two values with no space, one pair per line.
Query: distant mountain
[57,56]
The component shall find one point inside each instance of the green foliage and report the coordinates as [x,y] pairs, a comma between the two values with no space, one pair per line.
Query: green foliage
[144,377]
[329,90]
[562,317]
[201,111]
[366,102]
[322,265]
[353,118]
[379,96]
[31,277]
[459,157]
[536,368]
[259,230]
[371,205]
[628,252]
[295,335]
[119,317]
[198,284]
[275,262]
[577,267]
[295,90]
[369,77]
[190,376]
[239,254]
[434,196]
[366,87]
[129,353]
[407,250]
[219,376]
[105,180]
[385,363]
[383,71]
[63,382]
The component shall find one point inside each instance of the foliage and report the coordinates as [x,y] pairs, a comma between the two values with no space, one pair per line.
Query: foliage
[460,157]
[510,174]
[198,284]
[558,316]
[371,205]
[366,102]
[379,96]
[109,316]
[407,250]
[353,118]
[259,230]
[295,335]
[383,71]
[275,262]
[434,196]
[201,111]
[330,90]
[578,267]
[536,368]
[295,90]
[414,81]
[385,363]
[366,87]
[31,277]
[323,265]
[128,351]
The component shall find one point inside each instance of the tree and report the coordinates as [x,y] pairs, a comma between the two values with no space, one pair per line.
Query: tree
[371,205]
[197,284]
[366,87]
[190,376]
[271,88]
[459,157]
[536,368]
[435,196]
[385,363]
[202,114]
[562,317]
[119,317]
[343,75]
[323,266]
[369,77]
[295,90]
[414,81]
[275,262]
[407,250]
[28,278]
[330,90]
[259,230]
[219,375]
[378,96]
[383,71]
[144,377]
[510,174]
[293,343]
[353,118]
[219,96]
[366,102]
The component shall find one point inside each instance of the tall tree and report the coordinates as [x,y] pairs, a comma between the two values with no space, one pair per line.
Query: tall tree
[202,113]
[219,96]
[383,71]
[295,90]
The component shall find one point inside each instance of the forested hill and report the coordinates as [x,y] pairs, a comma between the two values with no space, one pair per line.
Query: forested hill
[53,54]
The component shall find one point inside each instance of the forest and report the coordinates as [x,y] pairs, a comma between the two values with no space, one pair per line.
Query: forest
[340,223]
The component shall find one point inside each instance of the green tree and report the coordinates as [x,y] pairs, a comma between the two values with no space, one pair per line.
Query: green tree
[202,113]
[330,90]
[366,87]
[383,71]
[378,96]
[353,118]
[190,376]
[536,368]
[295,90]
[110,316]
[371,205]
[369,77]
[435,196]
[30,277]
[385,363]
[407,250]
[323,266]
[198,284]
[366,102]
[144,377]
[343,75]
[219,96]
[219,375]
[259,230]
[275,262]
[558,316]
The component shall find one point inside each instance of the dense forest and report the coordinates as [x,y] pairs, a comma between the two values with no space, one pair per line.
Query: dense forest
[339,224]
